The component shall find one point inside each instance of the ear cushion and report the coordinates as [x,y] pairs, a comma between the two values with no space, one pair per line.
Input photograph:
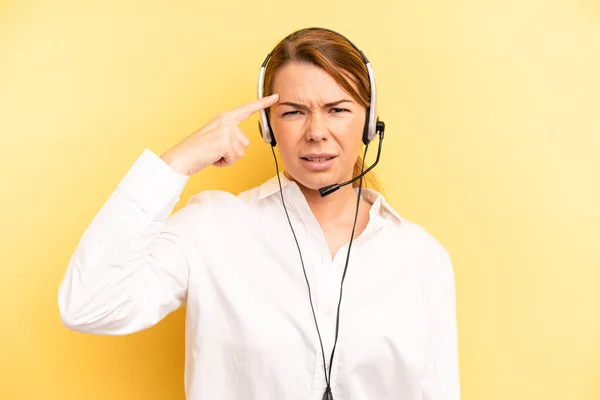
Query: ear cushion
[366,135]
[264,128]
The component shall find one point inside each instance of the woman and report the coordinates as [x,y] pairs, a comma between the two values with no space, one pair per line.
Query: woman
[262,272]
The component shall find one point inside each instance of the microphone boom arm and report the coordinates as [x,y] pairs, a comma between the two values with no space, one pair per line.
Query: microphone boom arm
[332,188]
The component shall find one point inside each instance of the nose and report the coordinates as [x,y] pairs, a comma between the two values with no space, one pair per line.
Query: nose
[316,129]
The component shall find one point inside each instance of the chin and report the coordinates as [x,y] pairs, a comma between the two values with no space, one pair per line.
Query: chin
[315,180]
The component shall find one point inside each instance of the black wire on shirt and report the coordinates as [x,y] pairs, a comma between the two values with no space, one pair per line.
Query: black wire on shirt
[328,394]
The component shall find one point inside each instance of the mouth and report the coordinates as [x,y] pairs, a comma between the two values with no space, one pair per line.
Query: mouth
[318,158]
[318,162]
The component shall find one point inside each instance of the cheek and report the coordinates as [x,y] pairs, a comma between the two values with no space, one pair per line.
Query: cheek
[348,133]
[287,133]
[286,137]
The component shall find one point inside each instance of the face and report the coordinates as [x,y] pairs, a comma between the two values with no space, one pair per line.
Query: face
[317,125]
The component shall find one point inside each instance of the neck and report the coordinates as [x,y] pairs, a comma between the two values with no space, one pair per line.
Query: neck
[331,208]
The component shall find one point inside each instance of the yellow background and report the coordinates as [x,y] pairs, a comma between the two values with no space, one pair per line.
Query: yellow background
[493,133]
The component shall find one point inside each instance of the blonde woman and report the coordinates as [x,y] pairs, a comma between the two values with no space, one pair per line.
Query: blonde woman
[309,286]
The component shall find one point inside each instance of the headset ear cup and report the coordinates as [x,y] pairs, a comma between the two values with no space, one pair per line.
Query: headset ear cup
[271,138]
[265,129]
[366,133]
[272,141]
[260,130]
[380,127]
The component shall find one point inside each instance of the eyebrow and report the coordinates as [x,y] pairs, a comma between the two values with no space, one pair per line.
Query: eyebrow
[303,107]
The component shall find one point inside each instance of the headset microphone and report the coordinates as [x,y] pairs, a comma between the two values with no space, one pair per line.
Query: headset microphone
[324,191]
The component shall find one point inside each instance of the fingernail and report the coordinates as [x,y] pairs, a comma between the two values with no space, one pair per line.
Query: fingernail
[275,95]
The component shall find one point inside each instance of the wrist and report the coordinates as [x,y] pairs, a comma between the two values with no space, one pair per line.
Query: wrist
[175,162]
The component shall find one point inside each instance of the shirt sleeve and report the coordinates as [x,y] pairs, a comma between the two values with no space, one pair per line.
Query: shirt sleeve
[131,266]
[441,381]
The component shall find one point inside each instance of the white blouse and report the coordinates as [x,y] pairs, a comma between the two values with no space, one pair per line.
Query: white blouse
[250,331]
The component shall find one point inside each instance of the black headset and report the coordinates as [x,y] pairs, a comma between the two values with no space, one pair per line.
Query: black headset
[371,128]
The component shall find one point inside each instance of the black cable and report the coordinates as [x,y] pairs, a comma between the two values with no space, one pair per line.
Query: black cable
[303,268]
[328,394]
[337,324]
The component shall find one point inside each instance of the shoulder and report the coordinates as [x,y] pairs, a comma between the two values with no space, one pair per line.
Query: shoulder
[420,236]
[403,236]
[424,246]
[224,198]
[404,231]
[220,203]
[209,216]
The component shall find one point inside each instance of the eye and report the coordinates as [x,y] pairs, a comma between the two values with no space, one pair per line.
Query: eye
[290,113]
[339,110]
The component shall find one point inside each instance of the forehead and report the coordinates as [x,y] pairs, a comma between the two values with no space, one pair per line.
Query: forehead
[304,81]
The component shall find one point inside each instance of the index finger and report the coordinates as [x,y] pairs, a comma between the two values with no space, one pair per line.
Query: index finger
[241,113]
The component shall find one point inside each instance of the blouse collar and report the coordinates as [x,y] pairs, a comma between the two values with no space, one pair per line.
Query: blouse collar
[376,199]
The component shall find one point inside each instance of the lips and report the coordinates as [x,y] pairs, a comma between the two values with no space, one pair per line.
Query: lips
[318,157]
[318,162]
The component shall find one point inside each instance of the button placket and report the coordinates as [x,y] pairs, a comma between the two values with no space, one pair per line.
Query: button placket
[324,285]
[328,313]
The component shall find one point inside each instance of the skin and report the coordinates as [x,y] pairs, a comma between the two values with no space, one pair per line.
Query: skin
[317,123]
